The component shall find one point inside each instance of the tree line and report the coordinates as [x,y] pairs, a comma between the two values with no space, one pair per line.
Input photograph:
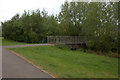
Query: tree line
[96,20]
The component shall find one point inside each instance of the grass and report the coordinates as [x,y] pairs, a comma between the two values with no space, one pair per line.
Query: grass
[0,41]
[6,42]
[109,53]
[64,63]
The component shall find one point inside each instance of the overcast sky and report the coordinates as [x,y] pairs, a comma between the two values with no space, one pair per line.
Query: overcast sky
[8,8]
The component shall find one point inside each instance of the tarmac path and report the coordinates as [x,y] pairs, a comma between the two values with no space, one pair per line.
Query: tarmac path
[14,66]
[26,45]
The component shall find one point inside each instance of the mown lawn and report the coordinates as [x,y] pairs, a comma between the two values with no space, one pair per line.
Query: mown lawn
[0,41]
[6,42]
[65,63]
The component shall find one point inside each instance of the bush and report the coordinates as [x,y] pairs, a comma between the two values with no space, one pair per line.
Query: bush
[61,46]
[103,44]
[30,27]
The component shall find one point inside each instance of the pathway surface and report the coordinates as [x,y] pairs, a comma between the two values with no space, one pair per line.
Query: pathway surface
[14,66]
[26,45]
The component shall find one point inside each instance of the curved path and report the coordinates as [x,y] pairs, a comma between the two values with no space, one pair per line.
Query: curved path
[14,66]
[27,45]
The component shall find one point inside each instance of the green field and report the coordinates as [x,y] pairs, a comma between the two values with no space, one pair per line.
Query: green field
[6,42]
[64,63]
[1,41]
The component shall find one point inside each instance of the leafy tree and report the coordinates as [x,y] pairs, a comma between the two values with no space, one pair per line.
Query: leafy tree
[96,21]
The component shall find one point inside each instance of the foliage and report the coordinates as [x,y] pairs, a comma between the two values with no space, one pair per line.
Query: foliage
[63,47]
[97,21]
[30,27]
[102,26]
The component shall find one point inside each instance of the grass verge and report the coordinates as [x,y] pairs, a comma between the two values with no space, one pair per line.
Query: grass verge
[6,42]
[70,64]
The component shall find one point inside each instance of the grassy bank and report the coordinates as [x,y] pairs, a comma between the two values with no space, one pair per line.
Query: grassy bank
[70,64]
[6,42]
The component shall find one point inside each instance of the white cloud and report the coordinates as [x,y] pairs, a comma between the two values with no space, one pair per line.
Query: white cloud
[8,8]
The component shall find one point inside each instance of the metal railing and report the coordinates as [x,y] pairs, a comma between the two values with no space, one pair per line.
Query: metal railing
[66,39]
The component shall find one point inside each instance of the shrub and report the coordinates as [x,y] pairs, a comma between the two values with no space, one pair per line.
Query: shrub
[61,46]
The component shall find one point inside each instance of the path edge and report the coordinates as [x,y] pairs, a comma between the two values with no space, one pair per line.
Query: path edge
[32,63]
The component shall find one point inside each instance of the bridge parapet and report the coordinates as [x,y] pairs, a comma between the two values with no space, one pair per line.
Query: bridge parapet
[66,39]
